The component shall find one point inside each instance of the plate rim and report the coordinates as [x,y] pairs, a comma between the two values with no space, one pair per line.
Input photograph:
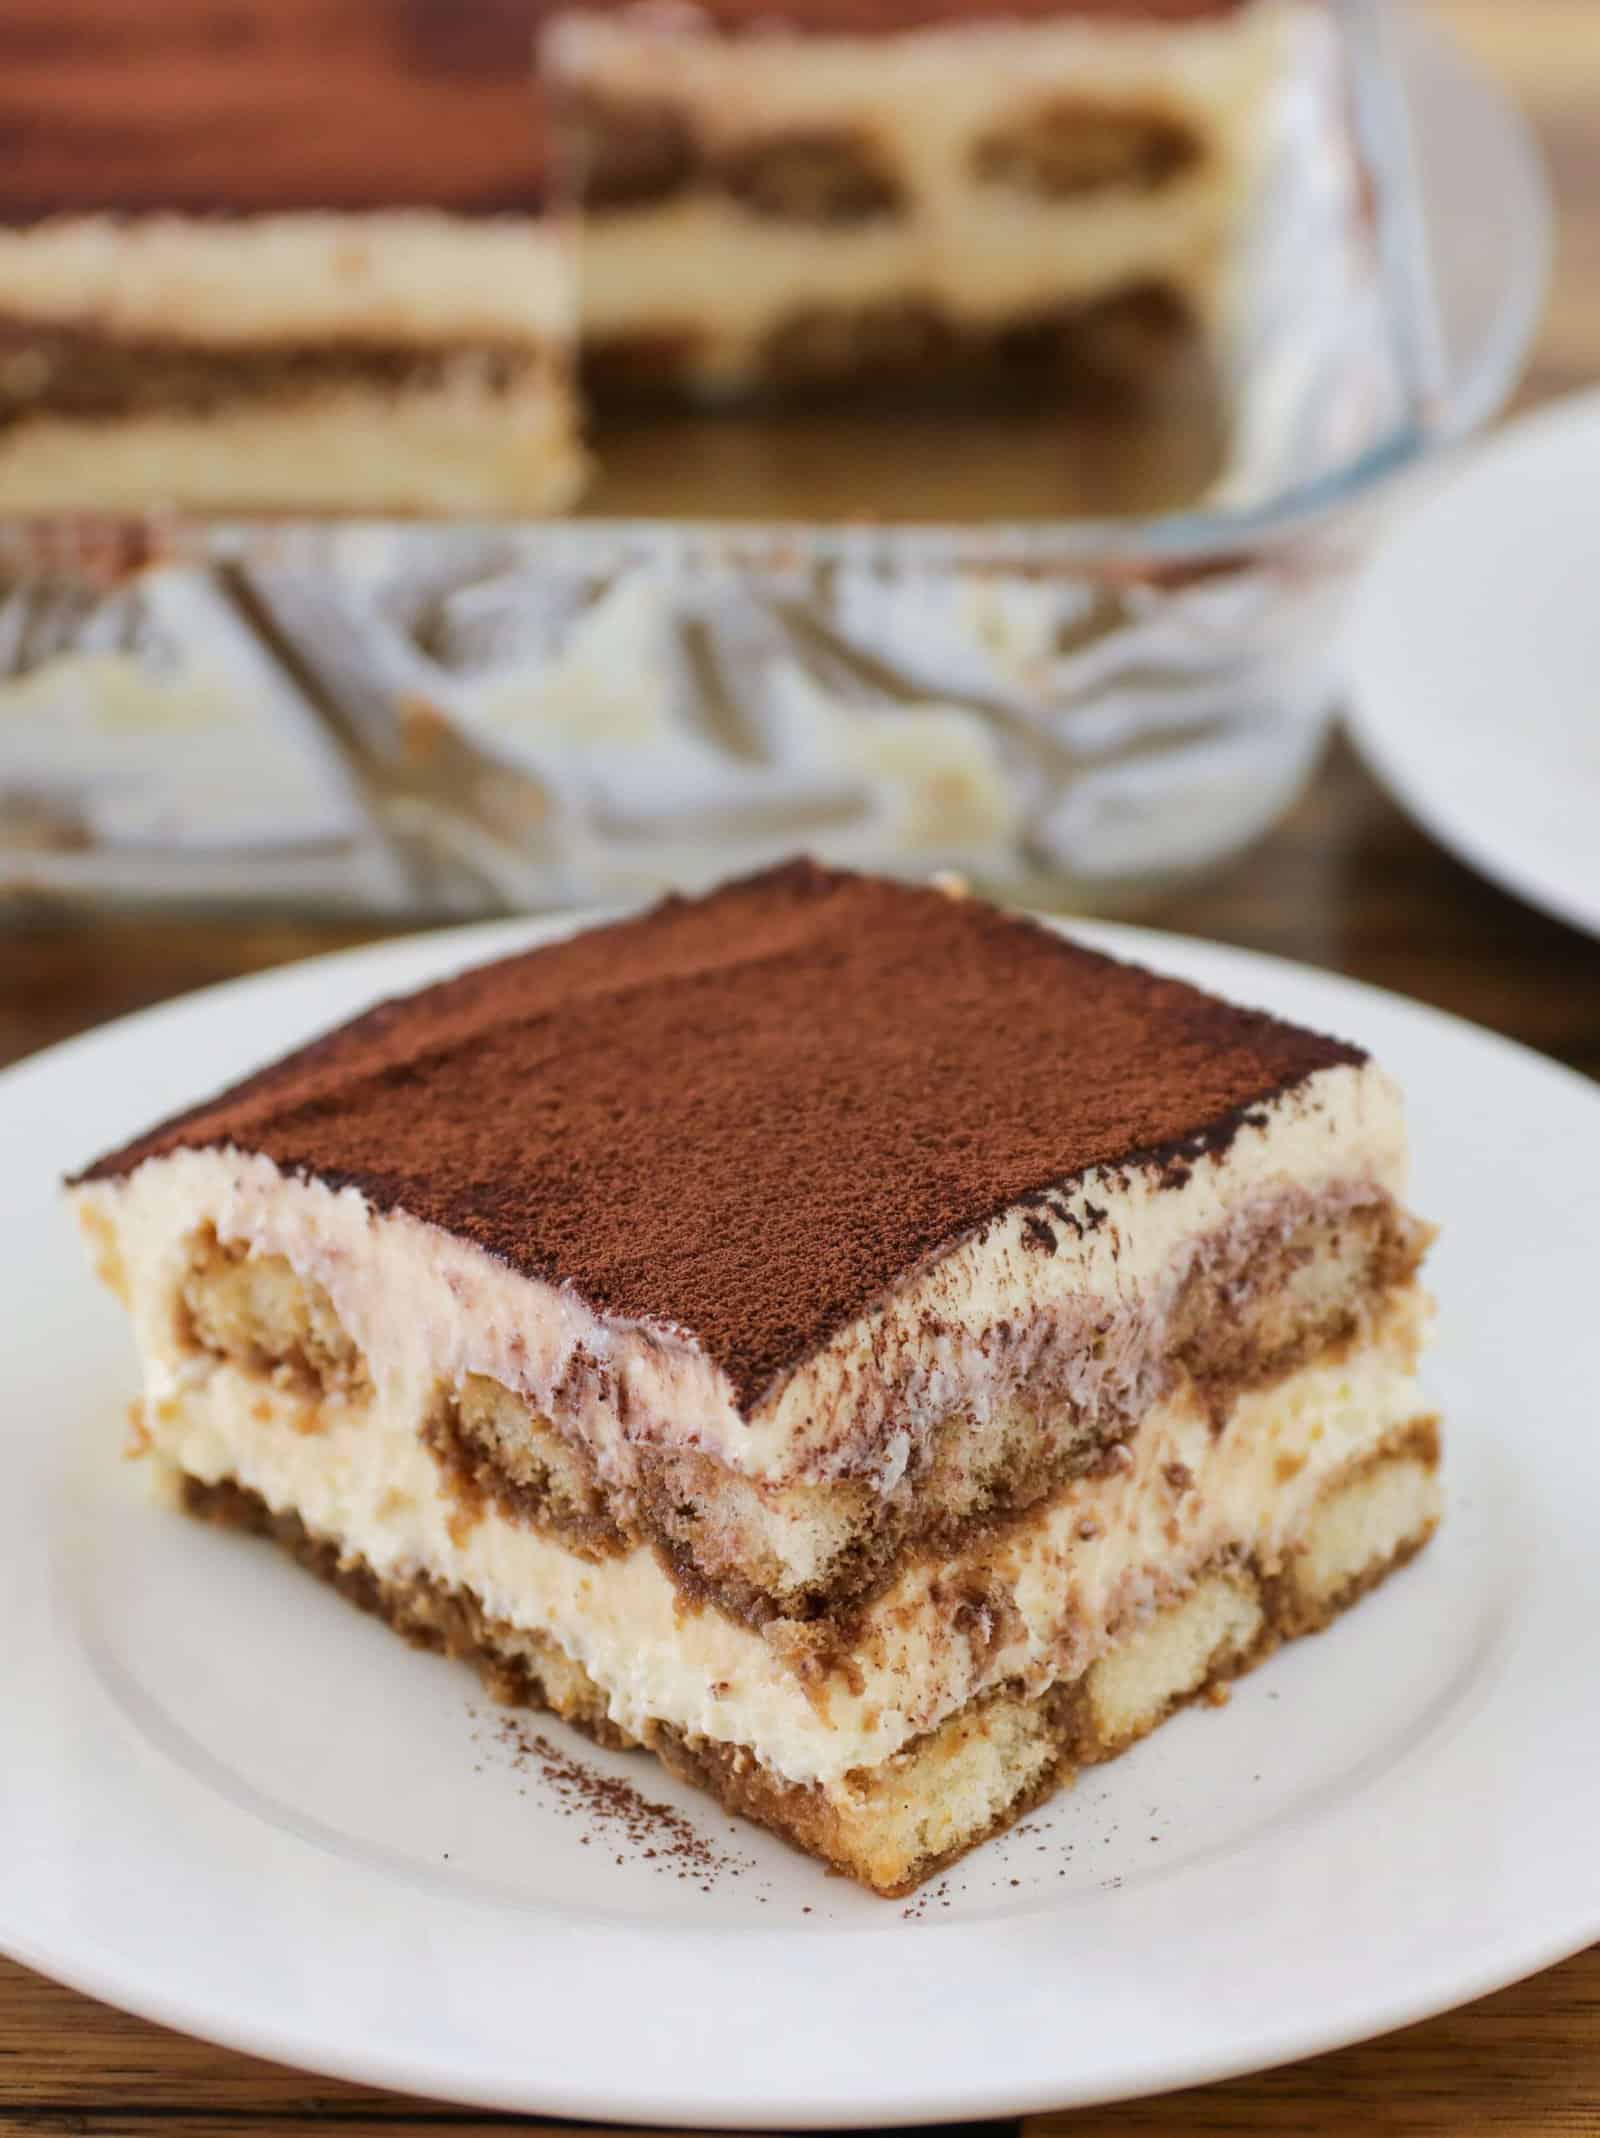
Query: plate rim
[426,2079]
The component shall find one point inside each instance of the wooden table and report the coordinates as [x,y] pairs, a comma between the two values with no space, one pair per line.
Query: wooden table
[1346,883]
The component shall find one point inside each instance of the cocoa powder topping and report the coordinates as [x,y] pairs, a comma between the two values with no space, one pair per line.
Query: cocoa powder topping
[744,1116]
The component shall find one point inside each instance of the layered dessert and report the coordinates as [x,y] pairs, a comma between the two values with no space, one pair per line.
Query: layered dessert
[308,262]
[400,361]
[296,260]
[870,1350]
[846,187]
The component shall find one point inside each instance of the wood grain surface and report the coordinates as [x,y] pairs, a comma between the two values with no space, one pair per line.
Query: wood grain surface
[1345,883]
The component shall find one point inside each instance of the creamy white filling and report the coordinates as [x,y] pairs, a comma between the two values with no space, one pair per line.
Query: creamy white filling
[448,448]
[1049,1595]
[397,274]
[702,268]
[427,1308]
[983,251]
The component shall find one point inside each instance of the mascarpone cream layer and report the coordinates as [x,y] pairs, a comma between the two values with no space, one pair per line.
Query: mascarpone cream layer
[1035,1605]
[449,448]
[703,267]
[399,275]
[428,1308]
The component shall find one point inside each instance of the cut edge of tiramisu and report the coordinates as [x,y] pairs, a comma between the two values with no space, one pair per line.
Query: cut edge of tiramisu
[1064,189]
[384,361]
[869,1349]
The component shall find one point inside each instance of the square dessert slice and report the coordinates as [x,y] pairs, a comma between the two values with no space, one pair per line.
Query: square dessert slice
[810,193]
[868,1348]
[401,360]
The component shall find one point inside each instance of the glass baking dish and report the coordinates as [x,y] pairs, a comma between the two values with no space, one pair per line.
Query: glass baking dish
[889,648]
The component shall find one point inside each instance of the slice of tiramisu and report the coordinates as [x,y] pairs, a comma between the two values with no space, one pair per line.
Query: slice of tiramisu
[867,1348]
[811,192]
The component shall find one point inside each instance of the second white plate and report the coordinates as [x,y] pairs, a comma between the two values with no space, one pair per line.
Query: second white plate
[1474,662]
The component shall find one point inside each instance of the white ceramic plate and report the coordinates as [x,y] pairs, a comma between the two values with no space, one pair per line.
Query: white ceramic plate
[1474,661]
[229,1802]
